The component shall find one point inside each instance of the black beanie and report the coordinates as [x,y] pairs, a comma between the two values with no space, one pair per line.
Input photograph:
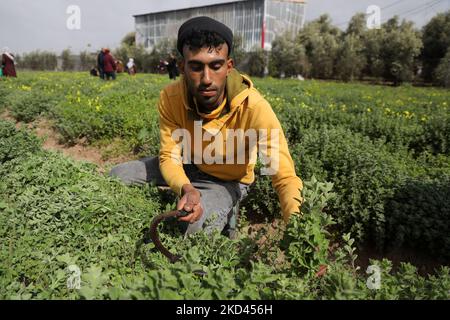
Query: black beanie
[204,24]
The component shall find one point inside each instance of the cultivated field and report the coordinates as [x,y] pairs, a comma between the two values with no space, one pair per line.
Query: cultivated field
[375,161]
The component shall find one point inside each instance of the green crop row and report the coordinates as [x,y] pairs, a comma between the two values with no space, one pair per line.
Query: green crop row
[59,217]
[86,108]
[386,150]
[415,118]
[83,107]
[391,200]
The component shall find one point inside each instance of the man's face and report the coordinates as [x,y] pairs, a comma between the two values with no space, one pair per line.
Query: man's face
[206,70]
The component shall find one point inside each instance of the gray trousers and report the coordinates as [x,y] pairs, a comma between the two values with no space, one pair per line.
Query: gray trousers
[220,199]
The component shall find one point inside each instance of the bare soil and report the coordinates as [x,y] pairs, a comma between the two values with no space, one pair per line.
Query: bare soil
[81,151]
[425,263]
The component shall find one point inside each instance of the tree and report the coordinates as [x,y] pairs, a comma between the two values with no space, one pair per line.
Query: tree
[18,59]
[436,41]
[320,40]
[37,60]
[357,25]
[392,51]
[401,46]
[325,25]
[238,54]
[87,61]
[162,51]
[442,72]
[138,53]
[351,59]
[288,57]
[324,55]
[67,61]
[123,52]
[129,39]
[373,44]
[145,61]
[256,64]
[49,61]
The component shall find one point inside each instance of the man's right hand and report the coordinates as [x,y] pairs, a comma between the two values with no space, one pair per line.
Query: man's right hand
[190,202]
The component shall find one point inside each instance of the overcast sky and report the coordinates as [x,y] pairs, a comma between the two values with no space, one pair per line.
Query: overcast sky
[27,25]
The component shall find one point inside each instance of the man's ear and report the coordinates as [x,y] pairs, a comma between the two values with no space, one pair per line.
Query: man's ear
[230,65]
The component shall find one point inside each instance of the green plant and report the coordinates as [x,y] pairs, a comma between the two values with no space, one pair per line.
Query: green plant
[307,237]
[28,106]
[15,144]
[383,149]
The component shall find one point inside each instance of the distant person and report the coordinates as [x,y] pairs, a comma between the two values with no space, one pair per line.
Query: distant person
[172,67]
[109,66]
[131,67]
[100,57]
[162,67]
[94,72]
[120,66]
[8,63]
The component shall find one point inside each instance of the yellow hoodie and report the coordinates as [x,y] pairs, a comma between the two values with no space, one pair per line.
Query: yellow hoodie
[244,109]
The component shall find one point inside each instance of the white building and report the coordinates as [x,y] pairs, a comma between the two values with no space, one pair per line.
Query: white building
[257,22]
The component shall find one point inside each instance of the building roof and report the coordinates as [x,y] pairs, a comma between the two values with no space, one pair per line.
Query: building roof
[185,5]
[217,2]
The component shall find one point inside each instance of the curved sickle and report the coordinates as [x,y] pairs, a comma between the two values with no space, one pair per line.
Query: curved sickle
[154,232]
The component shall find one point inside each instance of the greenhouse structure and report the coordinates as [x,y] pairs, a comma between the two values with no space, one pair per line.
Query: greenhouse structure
[256,22]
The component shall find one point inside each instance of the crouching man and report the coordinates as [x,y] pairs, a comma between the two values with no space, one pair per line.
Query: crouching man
[213,124]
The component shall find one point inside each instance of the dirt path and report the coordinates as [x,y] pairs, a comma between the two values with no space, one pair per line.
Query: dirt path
[425,263]
[80,151]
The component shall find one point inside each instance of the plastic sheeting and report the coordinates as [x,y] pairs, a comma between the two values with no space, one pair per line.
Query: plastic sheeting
[257,22]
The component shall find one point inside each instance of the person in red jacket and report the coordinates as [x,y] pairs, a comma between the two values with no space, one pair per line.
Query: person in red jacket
[109,65]
[8,67]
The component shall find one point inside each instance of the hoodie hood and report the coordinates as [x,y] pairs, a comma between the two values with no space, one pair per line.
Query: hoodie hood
[238,88]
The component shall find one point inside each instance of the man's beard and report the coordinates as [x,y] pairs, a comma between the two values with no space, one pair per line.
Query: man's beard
[208,103]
